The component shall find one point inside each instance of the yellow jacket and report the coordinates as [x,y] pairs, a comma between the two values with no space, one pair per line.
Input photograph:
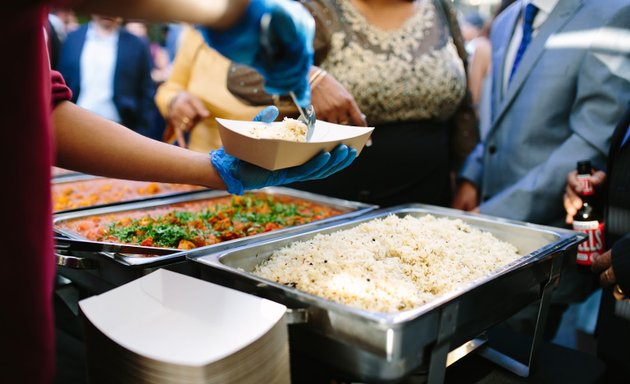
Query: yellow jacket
[201,71]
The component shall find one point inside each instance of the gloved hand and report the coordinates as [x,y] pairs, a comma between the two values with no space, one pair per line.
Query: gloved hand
[280,47]
[240,176]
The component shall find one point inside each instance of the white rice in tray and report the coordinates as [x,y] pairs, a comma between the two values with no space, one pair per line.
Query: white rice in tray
[290,130]
[390,264]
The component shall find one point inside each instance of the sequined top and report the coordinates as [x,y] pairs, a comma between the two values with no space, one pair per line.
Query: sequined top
[407,74]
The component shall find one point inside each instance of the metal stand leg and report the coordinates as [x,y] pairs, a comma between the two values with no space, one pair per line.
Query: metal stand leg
[439,352]
[520,369]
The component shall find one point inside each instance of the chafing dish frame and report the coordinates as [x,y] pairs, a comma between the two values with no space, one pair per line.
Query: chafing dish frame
[384,347]
[98,272]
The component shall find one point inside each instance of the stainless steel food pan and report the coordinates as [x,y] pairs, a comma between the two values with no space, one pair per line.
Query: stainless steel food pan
[102,271]
[387,346]
[57,172]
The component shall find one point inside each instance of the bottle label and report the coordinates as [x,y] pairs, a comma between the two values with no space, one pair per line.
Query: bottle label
[585,183]
[594,243]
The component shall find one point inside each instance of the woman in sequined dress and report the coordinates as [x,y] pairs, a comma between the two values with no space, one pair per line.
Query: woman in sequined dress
[400,62]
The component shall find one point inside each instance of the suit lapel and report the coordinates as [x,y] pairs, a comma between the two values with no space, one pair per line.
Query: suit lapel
[562,13]
[501,45]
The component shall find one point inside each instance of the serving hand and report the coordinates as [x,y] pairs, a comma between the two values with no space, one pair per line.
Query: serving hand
[240,176]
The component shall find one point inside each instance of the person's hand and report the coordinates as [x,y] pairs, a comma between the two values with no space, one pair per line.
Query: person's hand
[240,176]
[602,265]
[466,197]
[275,37]
[185,111]
[572,200]
[333,103]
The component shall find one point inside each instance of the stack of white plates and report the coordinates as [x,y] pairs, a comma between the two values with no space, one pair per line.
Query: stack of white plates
[170,328]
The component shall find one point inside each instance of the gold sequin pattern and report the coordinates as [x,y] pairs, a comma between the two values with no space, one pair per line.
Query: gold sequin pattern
[411,73]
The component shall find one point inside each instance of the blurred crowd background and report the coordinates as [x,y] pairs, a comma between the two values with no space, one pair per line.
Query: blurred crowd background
[149,64]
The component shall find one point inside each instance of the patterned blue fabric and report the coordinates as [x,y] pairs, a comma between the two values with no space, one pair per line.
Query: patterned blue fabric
[528,28]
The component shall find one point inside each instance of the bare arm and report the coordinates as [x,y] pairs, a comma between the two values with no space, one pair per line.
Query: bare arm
[88,143]
[333,102]
[478,68]
[181,70]
[215,13]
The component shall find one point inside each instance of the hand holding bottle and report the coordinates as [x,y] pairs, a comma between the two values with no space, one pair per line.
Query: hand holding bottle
[573,190]
[588,218]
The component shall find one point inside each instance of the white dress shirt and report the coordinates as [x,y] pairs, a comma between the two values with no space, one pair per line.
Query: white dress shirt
[98,64]
[60,29]
[544,9]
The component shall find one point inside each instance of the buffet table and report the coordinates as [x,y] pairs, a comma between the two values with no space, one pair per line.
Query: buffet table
[332,342]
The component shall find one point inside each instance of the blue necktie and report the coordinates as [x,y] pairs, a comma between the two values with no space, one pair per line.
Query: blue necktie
[528,28]
[626,137]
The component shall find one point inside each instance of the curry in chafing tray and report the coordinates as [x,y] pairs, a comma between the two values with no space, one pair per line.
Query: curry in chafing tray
[99,191]
[193,224]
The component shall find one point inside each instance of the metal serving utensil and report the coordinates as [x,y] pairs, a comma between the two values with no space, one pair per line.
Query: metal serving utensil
[307,115]
[65,244]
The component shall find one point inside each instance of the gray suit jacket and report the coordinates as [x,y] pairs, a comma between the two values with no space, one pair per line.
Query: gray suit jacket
[567,95]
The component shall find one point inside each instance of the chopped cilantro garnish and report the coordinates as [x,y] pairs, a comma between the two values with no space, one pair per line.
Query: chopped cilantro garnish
[245,215]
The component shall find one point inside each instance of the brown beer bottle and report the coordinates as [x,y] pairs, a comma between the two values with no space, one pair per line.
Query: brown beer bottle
[588,219]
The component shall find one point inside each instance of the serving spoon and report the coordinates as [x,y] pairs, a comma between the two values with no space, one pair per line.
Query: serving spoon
[307,116]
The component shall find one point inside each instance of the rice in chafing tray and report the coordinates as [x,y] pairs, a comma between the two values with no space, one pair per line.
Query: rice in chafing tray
[390,264]
[290,130]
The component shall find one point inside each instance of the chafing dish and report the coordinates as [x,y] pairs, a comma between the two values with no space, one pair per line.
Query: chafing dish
[383,347]
[95,185]
[100,271]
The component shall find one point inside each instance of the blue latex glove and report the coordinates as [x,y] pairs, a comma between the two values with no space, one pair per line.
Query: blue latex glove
[282,52]
[240,176]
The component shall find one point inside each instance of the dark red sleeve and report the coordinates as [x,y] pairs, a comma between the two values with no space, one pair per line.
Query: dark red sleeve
[60,91]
